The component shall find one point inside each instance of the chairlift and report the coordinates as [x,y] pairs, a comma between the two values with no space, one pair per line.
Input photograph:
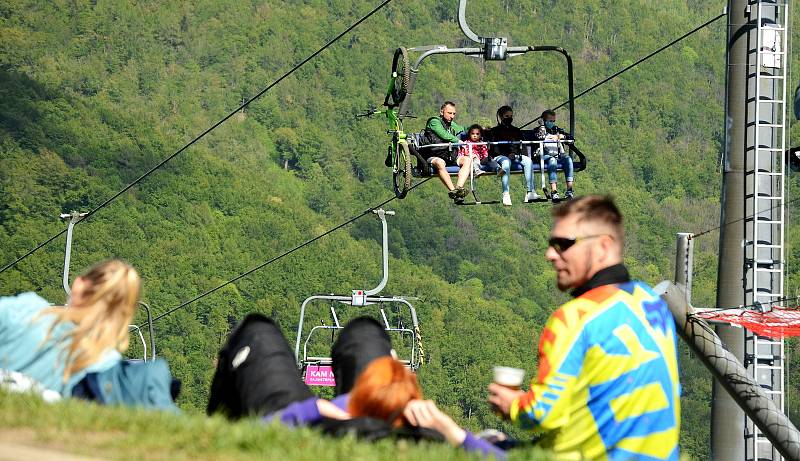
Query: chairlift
[404,76]
[400,323]
[74,218]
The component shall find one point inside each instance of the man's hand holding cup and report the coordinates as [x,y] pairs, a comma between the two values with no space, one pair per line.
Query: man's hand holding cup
[505,388]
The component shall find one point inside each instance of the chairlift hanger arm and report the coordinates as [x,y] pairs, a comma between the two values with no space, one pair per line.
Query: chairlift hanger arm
[150,329]
[74,218]
[462,22]
[381,213]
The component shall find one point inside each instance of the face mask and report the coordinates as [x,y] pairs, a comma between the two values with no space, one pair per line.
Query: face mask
[549,124]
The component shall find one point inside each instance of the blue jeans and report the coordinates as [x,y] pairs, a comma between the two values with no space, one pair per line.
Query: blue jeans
[505,163]
[551,163]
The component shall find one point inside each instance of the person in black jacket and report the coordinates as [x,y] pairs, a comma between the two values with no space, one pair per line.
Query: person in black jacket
[554,153]
[504,154]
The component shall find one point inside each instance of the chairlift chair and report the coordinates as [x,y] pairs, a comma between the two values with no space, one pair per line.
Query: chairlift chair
[402,321]
[74,218]
[491,49]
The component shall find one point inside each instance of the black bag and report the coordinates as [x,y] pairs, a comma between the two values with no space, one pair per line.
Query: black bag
[256,372]
[361,341]
[423,169]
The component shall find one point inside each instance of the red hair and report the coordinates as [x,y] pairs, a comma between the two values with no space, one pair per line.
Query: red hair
[383,390]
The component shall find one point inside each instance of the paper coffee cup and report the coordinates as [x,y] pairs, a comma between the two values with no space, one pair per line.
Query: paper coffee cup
[509,377]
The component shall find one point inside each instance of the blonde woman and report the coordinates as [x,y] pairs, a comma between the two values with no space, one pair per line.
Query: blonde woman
[56,346]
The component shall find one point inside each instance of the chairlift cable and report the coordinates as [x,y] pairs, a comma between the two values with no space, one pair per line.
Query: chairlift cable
[207,131]
[285,253]
[625,69]
[34,250]
[788,202]
[295,68]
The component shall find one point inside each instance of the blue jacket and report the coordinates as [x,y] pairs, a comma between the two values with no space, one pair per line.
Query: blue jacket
[131,382]
[23,347]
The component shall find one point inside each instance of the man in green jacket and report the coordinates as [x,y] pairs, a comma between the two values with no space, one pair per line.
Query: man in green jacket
[443,129]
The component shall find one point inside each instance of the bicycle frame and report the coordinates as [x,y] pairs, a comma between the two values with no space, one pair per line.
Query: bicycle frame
[392,112]
[394,127]
[398,156]
[395,124]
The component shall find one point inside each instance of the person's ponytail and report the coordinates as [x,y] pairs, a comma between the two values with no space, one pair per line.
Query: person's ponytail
[102,316]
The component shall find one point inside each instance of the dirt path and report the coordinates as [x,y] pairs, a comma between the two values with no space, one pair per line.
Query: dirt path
[16,452]
[21,445]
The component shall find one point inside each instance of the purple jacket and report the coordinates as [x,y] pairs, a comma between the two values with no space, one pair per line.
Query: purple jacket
[305,412]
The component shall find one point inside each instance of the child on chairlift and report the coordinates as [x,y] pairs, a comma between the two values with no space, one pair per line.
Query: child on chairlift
[478,151]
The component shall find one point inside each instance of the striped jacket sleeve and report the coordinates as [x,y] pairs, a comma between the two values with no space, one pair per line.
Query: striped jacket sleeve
[561,351]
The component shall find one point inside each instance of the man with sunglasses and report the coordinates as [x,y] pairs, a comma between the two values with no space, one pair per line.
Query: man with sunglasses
[607,383]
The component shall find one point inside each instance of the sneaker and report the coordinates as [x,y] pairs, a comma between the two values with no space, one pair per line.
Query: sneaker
[570,194]
[531,196]
[477,171]
[461,193]
[506,199]
[554,196]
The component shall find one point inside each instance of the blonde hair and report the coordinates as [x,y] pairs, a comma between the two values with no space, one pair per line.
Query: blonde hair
[102,319]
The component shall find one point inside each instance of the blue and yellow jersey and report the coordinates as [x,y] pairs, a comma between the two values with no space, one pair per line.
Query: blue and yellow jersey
[607,386]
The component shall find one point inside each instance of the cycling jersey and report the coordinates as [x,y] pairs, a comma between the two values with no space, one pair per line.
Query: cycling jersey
[607,385]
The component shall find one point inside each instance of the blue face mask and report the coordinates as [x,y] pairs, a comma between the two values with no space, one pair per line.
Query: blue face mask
[549,124]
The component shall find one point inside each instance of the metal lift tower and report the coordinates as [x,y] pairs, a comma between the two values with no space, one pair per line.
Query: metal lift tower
[751,258]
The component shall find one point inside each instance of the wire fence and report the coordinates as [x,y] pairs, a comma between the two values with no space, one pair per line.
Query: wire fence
[771,423]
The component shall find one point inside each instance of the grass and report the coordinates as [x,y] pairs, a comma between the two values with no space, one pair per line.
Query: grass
[81,428]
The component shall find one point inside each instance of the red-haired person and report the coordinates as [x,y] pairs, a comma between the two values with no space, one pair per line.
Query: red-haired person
[257,375]
[387,390]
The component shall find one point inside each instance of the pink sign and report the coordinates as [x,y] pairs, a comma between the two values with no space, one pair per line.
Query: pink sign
[320,375]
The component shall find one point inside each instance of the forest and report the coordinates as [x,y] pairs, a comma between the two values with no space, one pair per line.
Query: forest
[96,92]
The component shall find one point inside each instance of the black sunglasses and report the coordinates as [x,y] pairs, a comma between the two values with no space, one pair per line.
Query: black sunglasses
[562,244]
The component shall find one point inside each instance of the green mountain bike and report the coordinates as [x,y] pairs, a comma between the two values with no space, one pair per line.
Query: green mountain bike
[398,155]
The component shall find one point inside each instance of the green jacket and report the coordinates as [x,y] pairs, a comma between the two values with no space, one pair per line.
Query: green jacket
[446,133]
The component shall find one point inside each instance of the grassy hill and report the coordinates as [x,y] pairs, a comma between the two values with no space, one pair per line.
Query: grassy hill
[96,92]
[82,429]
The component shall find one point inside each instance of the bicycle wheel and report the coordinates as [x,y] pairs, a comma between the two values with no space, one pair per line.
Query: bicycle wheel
[402,68]
[402,170]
